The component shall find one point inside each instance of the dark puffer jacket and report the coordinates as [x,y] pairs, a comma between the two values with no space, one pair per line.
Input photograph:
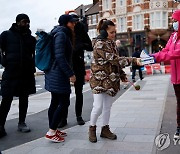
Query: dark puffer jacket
[57,78]
[18,76]
[82,42]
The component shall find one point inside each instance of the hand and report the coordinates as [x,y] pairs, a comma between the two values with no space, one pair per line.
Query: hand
[138,61]
[124,79]
[72,79]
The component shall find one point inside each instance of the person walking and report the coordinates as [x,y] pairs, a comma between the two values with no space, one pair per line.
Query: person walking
[58,78]
[17,50]
[82,43]
[123,51]
[171,53]
[135,67]
[106,72]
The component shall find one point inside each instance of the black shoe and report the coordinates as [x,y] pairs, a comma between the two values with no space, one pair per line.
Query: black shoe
[133,80]
[62,124]
[177,133]
[142,78]
[22,127]
[2,132]
[80,121]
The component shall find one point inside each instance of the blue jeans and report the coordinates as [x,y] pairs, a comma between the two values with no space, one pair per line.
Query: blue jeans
[134,72]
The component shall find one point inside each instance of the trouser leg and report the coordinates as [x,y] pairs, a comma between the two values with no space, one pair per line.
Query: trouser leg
[56,109]
[4,109]
[97,108]
[177,93]
[53,106]
[133,73]
[79,99]
[23,106]
[140,73]
[107,104]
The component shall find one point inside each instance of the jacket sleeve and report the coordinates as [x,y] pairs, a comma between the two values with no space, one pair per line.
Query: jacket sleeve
[59,48]
[165,54]
[83,42]
[104,54]
[3,41]
[33,53]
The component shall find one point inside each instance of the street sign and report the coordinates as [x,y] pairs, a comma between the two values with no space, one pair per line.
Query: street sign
[145,58]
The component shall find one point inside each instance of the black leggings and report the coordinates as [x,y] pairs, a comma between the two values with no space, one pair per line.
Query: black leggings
[79,98]
[177,93]
[5,107]
[59,105]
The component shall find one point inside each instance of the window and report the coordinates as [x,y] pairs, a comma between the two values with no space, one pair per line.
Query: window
[137,1]
[94,19]
[92,33]
[121,25]
[138,23]
[106,4]
[90,21]
[98,18]
[164,19]
[120,2]
[158,20]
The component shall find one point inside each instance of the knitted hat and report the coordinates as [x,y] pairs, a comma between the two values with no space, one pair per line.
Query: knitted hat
[65,18]
[22,16]
[176,16]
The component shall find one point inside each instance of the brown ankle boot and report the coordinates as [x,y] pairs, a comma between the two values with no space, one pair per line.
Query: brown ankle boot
[106,133]
[92,134]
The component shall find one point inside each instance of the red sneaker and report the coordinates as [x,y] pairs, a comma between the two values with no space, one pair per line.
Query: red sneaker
[55,138]
[61,134]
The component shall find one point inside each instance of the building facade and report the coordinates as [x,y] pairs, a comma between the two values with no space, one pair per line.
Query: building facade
[143,23]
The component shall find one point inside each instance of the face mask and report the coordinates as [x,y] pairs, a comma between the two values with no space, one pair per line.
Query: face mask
[176,25]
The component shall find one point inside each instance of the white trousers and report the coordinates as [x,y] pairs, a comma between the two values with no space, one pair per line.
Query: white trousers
[102,104]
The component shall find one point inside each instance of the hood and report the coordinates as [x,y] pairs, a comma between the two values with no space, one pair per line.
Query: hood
[58,28]
[176,16]
[15,29]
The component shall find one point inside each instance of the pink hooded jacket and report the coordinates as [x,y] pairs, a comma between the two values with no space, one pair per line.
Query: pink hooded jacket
[172,52]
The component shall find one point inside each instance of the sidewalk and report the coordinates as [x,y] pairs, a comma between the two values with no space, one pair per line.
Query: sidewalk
[136,118]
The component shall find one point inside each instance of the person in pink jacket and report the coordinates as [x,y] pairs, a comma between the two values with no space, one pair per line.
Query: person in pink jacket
[172,53]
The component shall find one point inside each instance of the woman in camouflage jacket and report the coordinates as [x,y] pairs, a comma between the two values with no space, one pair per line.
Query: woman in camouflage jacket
[106,72]
[106,68]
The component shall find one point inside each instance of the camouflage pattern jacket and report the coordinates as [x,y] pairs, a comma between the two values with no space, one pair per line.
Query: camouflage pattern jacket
[106,68]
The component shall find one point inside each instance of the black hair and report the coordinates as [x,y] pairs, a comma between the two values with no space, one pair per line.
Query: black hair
[103,24]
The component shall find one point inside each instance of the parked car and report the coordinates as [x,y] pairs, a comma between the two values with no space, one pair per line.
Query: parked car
[1,71]
[87,59]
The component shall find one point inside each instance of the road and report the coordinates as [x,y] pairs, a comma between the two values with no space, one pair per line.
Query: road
[15,138]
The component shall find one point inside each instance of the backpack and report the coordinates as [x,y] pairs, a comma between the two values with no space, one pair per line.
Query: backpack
[44,51]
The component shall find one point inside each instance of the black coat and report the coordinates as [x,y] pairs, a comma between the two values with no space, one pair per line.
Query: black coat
[57,78]
[82,42]
[19,67]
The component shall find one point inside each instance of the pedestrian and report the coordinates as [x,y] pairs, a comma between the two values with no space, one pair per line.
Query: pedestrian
[135,67]
[172,53]
[58,78]
[105,78]
[18,50]
[82,43]
[122,53]
[121,49]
